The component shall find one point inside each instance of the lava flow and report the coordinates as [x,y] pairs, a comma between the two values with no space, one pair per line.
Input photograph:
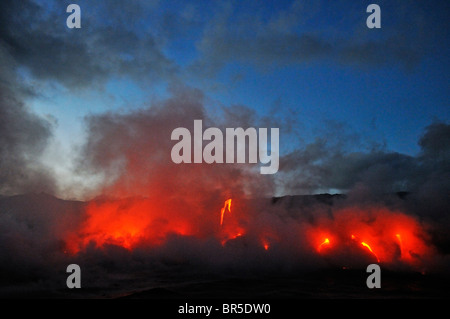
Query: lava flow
[232,229]
[325,242]
[370,249]
[389,237]
[222,211]
[126,223]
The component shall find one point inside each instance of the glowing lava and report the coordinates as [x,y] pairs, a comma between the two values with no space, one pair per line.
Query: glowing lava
[366,245]
[126,223]
[222,211]
[265,244]
[391,237]
[399,244]
[232,229]
[230,237]
[326,242]
[370,249]
[412,247]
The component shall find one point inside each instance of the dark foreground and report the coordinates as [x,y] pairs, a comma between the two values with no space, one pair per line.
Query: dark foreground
[321,284]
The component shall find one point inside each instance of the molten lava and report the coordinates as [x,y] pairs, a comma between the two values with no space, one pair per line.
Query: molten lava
[265,243]
[326,242]
[399,243]
[366,245]
[370,249]
[126,223]
[222,211]
[232,229]
[391,237]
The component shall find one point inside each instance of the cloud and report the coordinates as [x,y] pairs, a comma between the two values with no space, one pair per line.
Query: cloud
[325,165]
[435,143]
[136,44]
[133,150]
[36,48]
[290,36]
[318,168]
[38,39]
[23,137]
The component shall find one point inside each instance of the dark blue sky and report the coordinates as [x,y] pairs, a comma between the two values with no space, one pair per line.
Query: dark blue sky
[316,58]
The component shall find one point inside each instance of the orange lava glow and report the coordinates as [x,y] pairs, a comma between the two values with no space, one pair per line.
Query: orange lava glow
[390,236]
[399,243]
[265,244]
[325,242]
[366,245]
[231,237]
[267,237]
[125,223]
[232,229]
[222,211]
[320,239]
[370,249]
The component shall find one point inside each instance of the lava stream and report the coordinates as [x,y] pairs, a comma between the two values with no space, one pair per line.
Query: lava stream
[325,242]
[370,249]
[222,211]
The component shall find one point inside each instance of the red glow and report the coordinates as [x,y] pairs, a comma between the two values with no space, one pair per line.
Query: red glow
[125,223]
[265,244]
[321,239]
[231,237]
[411,247]
[222,211]
[267,237]
[370,249]
[391,237]
[326,242]
[366,245]
[232,229]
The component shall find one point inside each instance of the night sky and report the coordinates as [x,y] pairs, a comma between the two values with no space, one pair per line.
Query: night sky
[353,104]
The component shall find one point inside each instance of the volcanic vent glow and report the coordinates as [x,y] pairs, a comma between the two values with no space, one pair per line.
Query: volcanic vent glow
[326,242]
[370,234]
[226,206]
[126,223]
[388,236]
